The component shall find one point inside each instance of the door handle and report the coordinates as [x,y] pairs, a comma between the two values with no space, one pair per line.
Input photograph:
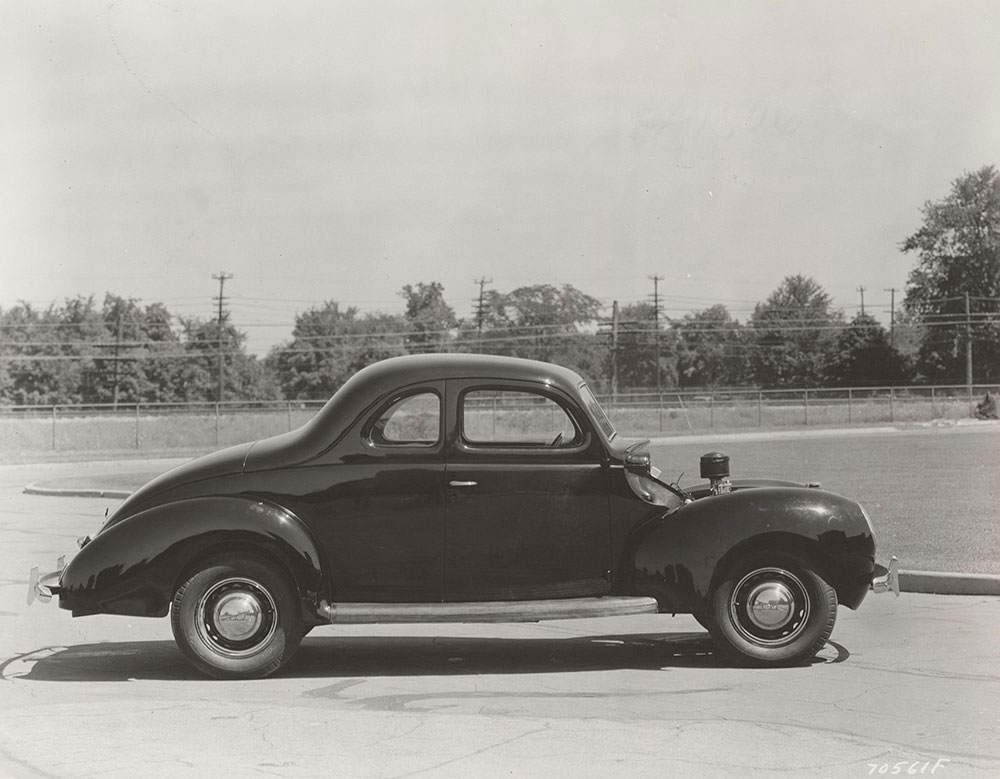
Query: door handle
[463,483]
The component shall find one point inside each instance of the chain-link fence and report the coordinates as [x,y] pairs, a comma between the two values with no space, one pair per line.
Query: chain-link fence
[198,426]
[147,426]
[734,410]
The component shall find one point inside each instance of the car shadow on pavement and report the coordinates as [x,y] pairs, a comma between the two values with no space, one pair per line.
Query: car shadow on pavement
[460,655]
[103,662]
[339,656]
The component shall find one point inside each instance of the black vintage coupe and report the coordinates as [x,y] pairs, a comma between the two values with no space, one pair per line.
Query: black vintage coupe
[441,488]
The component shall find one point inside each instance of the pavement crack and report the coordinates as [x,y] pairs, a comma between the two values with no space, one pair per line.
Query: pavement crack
[437,766]
[947,675]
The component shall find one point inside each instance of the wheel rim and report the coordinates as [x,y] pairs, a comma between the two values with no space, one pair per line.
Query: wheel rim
[236,617]
[770,607]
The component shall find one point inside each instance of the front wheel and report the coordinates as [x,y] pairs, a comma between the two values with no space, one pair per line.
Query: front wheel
[237,618]
[772,608]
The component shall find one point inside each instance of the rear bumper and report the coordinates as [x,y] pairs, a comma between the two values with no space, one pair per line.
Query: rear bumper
[886,579]
[42,586]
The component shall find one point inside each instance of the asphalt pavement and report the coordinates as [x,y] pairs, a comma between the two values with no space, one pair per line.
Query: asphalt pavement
[907,686]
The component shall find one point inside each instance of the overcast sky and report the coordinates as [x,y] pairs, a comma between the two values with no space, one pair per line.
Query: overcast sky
[339,150]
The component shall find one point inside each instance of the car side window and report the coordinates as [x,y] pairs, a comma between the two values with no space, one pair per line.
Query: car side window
[516,418]
[411,420]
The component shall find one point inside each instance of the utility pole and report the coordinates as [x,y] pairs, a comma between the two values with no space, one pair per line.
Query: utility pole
[118,344]
[480,308]
[656,279]
[862,291]
[892,315]
[614,352]
[968,344]
[222,277]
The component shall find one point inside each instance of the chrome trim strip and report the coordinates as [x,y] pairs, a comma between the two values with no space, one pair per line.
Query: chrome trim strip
[487,611]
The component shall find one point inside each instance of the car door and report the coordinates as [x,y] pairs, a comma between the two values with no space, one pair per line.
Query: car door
[527,509]
[378,509]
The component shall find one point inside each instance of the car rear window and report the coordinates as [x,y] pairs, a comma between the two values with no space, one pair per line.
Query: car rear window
[412,420]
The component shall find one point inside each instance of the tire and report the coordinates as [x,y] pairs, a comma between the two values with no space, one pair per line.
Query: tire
[772,609]
[237,617]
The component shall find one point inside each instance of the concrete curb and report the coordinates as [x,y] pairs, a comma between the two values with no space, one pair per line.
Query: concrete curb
[771,435]
[946,583]
[75,492]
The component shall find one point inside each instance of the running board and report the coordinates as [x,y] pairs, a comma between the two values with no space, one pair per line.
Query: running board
[487,611]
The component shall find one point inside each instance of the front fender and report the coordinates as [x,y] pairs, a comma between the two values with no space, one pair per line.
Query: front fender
[134,566]
[677,557]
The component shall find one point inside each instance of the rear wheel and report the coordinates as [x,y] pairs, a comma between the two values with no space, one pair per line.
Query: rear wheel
[237,617]
[772,608]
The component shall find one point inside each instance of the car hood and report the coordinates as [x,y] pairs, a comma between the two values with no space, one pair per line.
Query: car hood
[225,462]
[701,490]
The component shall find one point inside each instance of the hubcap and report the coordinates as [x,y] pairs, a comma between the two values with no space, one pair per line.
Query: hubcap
[236,617]
[770,607]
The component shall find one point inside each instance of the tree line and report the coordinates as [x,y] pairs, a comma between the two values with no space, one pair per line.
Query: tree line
[119,351]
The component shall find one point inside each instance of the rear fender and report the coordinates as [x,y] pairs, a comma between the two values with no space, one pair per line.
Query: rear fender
[678,558]
[135,566]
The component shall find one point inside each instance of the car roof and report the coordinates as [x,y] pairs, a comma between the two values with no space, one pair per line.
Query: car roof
[417,368]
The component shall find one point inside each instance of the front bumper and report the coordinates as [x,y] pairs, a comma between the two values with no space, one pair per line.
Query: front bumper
[40,586]
[886,579]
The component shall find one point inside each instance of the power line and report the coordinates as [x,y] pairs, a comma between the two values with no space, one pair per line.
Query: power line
[281,306]
[935,321]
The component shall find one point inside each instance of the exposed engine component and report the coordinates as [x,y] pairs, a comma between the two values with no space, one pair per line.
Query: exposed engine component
[715,468]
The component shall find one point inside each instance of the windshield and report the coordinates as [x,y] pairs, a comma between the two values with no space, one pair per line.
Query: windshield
[597,412]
